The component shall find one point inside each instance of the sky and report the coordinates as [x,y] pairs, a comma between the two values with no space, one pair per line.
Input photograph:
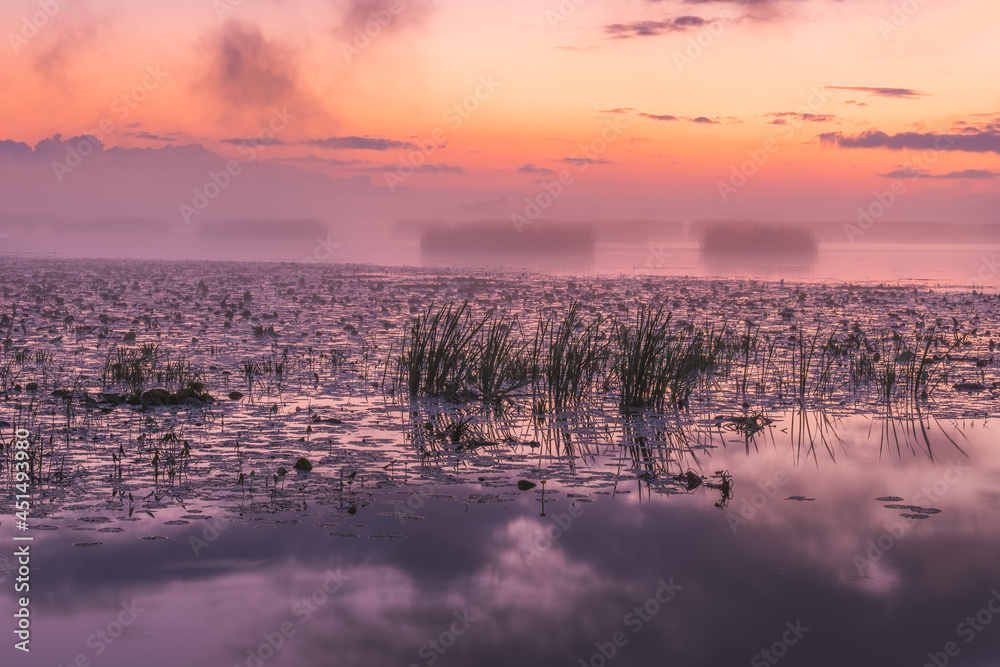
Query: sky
[192,116]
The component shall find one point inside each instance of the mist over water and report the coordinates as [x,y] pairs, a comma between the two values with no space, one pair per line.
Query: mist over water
[971,265]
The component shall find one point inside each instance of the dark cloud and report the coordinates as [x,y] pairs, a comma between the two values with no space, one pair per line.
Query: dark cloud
[14,148]
[331,143]
[970,174]
[584,161]
[358,14]
[532,169]
[254,141]
[903,173]
[245,69]
[781,117]
[904,93]
[981,141]
[148,136]
[653,116]
[440,168]
[75,28]
[701,120]
[654,28]
[361,143]
[314,160]
[56,148]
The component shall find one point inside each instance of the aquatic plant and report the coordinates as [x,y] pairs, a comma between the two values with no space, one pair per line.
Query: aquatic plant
[502,363]
[573,353]
[438,356]
[657,366]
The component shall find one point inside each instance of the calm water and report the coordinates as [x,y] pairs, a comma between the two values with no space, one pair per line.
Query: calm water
[400,548]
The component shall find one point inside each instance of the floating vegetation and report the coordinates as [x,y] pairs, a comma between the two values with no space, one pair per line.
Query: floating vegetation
[394,377]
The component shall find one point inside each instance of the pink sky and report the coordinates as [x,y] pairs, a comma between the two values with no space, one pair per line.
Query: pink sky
[790,110]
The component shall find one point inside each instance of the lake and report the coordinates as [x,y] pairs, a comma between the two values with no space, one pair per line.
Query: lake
[816,483]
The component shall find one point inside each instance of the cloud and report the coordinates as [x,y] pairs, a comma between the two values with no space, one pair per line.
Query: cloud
[357,14]
[617,110]
[254,141]
[440,168]
[331,143]
[583,161]
[969,173]
[902,93]
[14,148]
[979,142]
[315,160]
[246,71]
[361,143]
[781,117]
[701,120]
[56,149]
[663,117]
[532,169]
[64,39]
[655,28]
[148,136]
[972,174]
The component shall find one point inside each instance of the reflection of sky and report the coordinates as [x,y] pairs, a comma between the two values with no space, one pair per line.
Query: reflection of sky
[791,560]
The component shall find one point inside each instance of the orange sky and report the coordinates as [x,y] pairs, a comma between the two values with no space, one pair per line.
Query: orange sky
[718,75]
